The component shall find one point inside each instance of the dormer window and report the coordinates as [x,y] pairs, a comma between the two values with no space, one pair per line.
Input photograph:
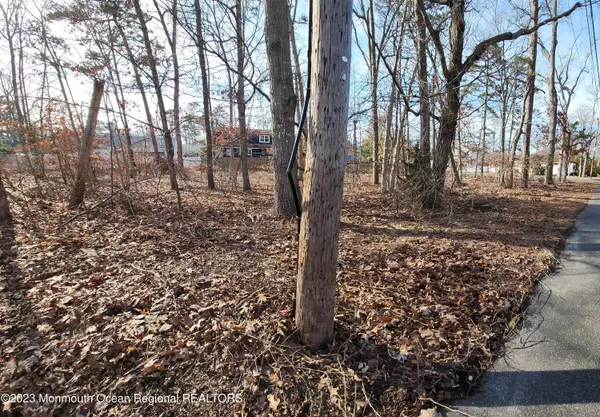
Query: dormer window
[264,139]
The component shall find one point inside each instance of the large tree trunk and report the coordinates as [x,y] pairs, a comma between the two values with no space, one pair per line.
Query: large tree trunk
[553,99]
[448,122]
[205,96]
[159,98]
[283,100]
[241,97]
[324,174]
[85,150]
[533,44]
[451,103]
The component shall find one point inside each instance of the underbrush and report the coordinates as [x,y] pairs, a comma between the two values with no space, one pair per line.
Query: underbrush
[128,295]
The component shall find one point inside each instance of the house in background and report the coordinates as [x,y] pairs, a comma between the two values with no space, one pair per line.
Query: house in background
[259,142]
[572,168]
[537,163]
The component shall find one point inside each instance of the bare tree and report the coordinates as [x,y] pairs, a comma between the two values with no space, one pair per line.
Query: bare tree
[424,105]
[454,68]
[552,97]
[171,37]
[11,13]
[530,97]
[486,97]
[140,85]
[85,150]
[205,95]
[241,97]
[159,98]
[567,91]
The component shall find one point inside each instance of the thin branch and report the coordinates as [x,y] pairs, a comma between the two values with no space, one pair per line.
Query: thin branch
[482,47]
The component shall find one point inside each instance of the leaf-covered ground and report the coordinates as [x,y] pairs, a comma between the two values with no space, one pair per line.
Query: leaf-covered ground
[133,297]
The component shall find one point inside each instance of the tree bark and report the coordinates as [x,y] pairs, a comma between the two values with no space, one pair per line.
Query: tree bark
[85,150]
[448,122]
[210,179]
[533,44]
[176,82]
[241,98]
[299,85]
[531,92]
[283,100]
[324,174]
[355,144]
[506,110]
[453,70]
[594,152]
[374,72]
[513,153]
[387,146]
[553,98]
[398,145]
[297,71]
[459,144]
[484,124]
[561,171]
[424,105]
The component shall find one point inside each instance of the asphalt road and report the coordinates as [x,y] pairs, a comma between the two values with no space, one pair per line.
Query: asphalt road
[552,367]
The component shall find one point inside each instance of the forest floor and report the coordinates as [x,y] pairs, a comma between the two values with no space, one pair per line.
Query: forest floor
[133,297]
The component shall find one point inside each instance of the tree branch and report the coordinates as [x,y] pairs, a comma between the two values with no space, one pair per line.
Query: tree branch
[435,36]
[482,47]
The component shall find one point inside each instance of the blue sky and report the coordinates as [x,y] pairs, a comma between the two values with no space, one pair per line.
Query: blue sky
[485,18]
